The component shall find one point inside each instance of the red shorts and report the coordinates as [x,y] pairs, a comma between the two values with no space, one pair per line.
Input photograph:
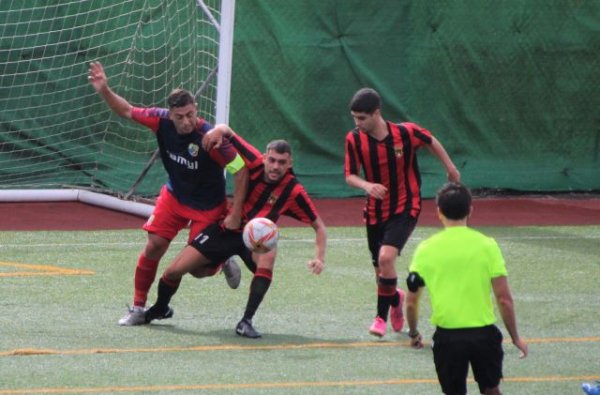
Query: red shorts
[170,216]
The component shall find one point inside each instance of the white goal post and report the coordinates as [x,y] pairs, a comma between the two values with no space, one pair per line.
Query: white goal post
[58,140]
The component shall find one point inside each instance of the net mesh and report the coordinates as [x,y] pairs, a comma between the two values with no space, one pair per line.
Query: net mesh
[55,130]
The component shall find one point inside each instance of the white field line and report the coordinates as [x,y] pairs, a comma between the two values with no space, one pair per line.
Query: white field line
[94,245]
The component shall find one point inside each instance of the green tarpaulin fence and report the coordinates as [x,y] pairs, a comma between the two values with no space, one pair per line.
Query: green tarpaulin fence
[510,88]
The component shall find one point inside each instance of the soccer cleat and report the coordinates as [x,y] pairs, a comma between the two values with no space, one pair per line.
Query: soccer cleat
[232,272]
[134,316]
[396,314]
[153,313]
[244,328]
[591,388]
[378,327]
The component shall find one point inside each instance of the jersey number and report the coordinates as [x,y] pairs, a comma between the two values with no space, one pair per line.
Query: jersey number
[201,238]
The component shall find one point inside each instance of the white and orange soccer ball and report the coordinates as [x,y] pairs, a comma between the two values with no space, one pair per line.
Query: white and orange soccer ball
[260,235]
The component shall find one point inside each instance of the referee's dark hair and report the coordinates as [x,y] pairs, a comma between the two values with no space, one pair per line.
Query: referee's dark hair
[366,100]
[454,201]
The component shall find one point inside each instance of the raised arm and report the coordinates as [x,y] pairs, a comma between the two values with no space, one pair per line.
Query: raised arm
[438,150]
[505,305]
[99,81]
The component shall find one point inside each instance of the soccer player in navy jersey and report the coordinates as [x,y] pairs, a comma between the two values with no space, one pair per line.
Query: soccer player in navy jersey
[387,154]
[195,190]
[273,190]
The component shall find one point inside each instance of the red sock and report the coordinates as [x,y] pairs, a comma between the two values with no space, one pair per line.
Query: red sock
[266,273]
[145,273]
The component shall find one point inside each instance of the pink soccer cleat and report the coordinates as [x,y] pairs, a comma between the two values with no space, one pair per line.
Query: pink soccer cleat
[378,327]
[396,314]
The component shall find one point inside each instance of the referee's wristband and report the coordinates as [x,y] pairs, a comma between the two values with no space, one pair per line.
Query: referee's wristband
[413,335]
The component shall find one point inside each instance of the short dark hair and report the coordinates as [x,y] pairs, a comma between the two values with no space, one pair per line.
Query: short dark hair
[454,200]
[180,98]
[280,146]
[365,100]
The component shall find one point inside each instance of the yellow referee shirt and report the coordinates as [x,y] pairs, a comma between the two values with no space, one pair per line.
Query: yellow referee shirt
[457,265]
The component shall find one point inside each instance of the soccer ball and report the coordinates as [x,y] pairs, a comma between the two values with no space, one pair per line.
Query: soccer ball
[260,235]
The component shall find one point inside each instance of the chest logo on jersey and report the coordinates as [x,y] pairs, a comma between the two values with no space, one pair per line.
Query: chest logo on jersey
[272,199]
[193,149]
[398,151]
[192,165]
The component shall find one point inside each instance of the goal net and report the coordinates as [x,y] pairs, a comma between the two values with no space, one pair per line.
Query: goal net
[55,131]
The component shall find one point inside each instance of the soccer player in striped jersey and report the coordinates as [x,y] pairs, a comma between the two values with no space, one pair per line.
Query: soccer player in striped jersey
[273,190]
[195,190]
[386,153]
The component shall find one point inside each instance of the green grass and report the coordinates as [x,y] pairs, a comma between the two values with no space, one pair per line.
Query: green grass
[58,333]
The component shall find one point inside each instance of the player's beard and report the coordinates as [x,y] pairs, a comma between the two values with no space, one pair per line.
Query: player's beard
[273,176]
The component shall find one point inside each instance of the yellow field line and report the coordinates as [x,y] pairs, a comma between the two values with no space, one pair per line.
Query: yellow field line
[291,384]
[41,270]
[238,347]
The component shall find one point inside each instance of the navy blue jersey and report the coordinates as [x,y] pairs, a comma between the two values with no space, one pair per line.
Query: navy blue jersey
[196,177]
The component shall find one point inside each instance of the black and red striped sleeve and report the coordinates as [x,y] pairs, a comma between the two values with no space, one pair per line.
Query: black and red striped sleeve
[351,163]
[252,157]
[302,207]
[224,154]
[419,135]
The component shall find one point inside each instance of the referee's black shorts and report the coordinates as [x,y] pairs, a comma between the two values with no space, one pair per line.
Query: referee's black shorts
[454,349]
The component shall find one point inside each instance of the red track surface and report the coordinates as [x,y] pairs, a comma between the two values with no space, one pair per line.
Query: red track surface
[335,212]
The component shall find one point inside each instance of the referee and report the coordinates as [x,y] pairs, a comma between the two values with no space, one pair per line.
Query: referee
[461,267]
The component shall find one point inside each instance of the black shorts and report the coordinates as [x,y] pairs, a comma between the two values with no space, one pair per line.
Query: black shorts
[394,232]
[218,244]
[454,349]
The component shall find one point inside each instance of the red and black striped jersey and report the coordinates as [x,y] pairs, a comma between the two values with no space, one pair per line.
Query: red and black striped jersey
[271,200]
[391,162]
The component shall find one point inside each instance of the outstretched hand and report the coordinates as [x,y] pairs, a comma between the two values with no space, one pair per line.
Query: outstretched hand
[97,76]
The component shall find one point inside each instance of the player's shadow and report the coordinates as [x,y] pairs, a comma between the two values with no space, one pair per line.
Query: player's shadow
[228,336]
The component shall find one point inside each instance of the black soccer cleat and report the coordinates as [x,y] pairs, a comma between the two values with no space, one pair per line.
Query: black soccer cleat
[153,313]
[244,328]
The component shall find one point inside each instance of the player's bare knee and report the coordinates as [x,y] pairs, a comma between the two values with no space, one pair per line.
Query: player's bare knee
[386,262]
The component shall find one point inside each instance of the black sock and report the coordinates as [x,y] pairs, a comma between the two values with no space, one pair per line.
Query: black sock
[259,287]
[166,290]
[386,296]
